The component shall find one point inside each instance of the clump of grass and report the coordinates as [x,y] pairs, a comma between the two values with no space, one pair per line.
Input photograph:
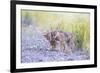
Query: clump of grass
[82,32]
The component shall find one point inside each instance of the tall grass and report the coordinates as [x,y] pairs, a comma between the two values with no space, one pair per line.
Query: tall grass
[82,33]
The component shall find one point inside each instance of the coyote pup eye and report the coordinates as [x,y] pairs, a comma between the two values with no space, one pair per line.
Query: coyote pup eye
[57,39]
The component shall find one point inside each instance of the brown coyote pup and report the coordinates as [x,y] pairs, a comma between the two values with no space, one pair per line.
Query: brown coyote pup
[61,41]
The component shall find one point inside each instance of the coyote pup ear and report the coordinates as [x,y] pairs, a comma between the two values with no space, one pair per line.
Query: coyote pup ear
[57,34]
[47,36]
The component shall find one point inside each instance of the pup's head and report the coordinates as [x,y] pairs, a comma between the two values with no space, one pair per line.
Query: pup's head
[53,37]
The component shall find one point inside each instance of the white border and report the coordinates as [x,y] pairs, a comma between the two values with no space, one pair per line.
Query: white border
[20,65]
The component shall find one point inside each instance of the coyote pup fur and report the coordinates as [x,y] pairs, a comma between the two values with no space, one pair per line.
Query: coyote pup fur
[61,41]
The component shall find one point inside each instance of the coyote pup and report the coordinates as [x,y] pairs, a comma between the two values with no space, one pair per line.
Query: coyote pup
[60,41]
